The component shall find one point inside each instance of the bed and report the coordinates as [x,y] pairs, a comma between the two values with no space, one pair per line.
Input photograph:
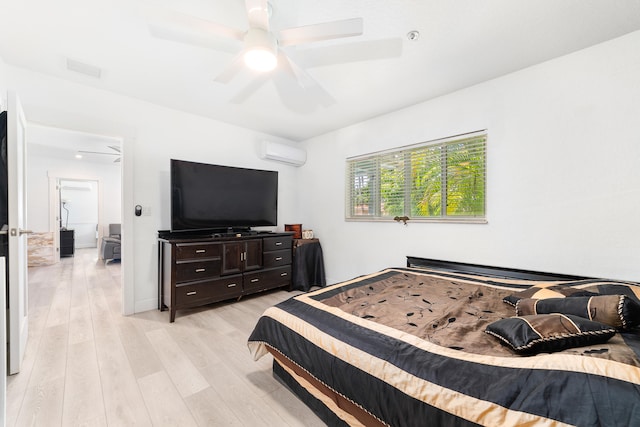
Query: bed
[439,343]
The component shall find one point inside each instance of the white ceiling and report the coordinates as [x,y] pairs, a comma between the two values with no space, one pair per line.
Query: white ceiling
[462,42]
[65,144]
[57,143]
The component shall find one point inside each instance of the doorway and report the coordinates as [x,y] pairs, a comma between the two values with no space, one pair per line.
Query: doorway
[82,174]
[79,211]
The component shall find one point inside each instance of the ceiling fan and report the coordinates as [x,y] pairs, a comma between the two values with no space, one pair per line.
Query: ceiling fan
[115,148]
[262,49]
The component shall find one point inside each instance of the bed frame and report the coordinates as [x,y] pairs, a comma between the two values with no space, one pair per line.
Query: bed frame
[461,267]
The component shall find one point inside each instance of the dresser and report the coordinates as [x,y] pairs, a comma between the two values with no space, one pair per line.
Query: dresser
[197,271]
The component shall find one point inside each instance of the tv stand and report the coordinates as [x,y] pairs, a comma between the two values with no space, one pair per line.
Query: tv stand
[198,270]
[209,233]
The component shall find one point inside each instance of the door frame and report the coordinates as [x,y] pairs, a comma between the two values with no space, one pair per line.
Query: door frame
[127,239]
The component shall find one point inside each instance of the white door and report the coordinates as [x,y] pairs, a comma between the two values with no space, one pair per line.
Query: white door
[17,263]
[3,349]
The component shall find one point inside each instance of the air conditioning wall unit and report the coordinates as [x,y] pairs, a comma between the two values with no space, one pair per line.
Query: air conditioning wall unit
[283,153]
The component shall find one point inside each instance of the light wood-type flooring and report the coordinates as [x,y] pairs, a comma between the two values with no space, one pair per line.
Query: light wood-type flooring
[87,365]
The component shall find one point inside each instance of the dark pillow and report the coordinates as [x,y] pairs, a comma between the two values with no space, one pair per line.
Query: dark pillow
[544,291]
[632,290]
[548,332]
[618,311]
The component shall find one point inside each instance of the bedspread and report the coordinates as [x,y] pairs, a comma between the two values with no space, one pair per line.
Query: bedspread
[408,347]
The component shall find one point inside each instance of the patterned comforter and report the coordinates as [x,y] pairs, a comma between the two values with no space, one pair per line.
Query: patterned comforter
[405,347]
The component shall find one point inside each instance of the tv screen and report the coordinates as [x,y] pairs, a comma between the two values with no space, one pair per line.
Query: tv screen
[213,197]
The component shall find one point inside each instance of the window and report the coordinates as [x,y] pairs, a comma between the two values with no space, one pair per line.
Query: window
[441,180]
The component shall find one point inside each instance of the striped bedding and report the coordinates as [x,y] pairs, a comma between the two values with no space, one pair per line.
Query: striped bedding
[405,347]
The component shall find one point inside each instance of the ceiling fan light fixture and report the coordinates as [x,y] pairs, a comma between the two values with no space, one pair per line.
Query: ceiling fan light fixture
[260,60]
[260,50]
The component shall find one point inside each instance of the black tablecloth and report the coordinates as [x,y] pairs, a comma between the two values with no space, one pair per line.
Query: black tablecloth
[308,264]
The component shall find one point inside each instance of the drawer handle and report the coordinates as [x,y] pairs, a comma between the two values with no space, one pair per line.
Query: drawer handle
[191,293]
[200,270]
[254,280]
[283,274]
[278,258]
[278,243]
[231,285]
[201,251]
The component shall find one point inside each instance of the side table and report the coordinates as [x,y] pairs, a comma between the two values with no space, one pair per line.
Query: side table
[67,242]
[308,265]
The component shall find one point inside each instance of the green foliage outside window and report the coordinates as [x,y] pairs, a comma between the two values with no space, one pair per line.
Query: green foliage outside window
[437,181]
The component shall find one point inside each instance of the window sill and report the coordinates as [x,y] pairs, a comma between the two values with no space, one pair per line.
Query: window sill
[424,220]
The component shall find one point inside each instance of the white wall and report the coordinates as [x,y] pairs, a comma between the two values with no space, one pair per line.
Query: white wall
[3,86]
[563,172]
[151,136]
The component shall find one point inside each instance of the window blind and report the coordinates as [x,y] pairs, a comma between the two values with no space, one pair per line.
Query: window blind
[437,180]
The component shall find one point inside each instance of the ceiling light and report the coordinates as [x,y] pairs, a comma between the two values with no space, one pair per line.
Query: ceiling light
[78,156]
[260,50]
[260,60]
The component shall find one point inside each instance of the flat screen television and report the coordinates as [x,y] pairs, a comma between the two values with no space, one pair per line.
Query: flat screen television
[206,197]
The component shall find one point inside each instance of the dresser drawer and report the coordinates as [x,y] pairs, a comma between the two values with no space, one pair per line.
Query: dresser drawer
[267,279]
[276,258]
[197,270]
[209,291]
[276,243]
[197,250]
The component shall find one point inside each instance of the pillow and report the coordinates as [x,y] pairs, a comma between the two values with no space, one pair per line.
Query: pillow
[544,291]
[548,332]
[618,311]
[632,290]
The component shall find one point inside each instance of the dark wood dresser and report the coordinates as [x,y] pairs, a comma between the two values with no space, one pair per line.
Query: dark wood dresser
[198,271]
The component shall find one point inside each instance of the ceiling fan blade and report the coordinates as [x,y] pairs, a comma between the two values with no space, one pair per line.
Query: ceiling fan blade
[318,32]
[303,78]
[258,13]
[176,26]
[293,96]
[232,69]
[350,52]
[305,81]
[249,90]
[300,93]
[98,152]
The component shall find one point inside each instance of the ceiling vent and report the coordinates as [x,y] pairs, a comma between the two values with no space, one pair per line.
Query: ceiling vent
[82,68]
[283,153]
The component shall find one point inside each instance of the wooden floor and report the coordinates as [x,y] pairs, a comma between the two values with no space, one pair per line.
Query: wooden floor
[86,364]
